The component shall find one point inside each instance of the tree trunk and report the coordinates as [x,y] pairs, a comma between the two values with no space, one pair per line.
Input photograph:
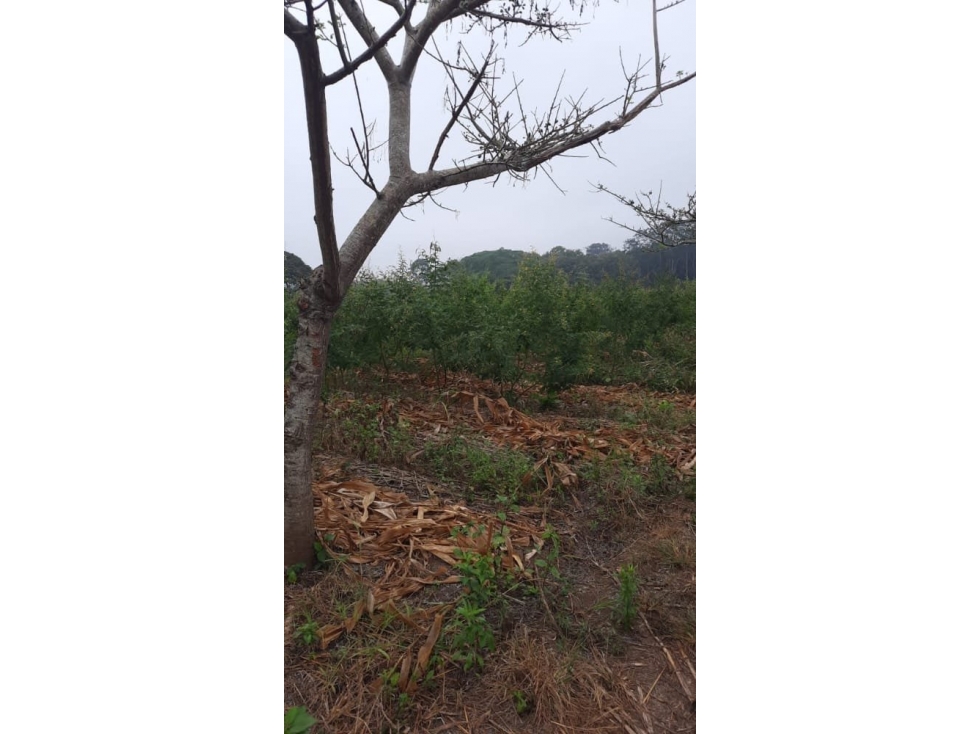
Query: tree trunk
[301,411]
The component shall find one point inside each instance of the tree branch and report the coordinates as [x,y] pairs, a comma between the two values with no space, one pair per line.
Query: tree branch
[294,28]
[438,13]
[513,160]
[659,64]
[314,95]
[667,226]
[369,229]
[542,23]
[373,48]
[336,34]
[375,43]
[399,8]
[477,78]
[597,132]
[434,180]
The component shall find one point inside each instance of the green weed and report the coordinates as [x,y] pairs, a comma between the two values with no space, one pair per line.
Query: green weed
[521,703]
[307,632]
[626,608]
[471,635]
[294,571]
[298,720]
[482,470]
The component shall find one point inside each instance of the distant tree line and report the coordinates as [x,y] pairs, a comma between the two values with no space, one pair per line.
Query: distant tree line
[636,261]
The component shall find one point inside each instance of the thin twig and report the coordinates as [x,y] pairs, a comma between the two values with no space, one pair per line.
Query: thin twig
[477,79]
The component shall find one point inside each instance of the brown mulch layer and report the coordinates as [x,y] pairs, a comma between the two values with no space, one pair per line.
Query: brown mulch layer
[413,543]
[398,538]
[555,442]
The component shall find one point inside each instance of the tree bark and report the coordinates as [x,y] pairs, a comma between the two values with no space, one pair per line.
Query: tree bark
[301,410]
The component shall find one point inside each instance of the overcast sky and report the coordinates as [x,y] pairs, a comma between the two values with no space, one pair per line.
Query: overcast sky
[658,148]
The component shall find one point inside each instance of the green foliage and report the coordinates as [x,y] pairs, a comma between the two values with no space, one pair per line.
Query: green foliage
[307,632]
[618,477]
[390,678]
[540,306]
[364,430]
[323,556]
[521,703]
[298,720]
[637,259]
[471,634]
[544,323]
[479,575]
[626,607]
[670,360]
[484,581]
[661,478]
[547,561]
[548,401]
[293,572]
[483,469]
[497,265]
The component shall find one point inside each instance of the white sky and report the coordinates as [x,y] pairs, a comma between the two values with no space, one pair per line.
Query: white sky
[657,149]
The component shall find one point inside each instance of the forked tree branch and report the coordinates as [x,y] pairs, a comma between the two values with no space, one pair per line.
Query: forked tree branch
[375,43]
[373,48]
[417,38]
[477,80]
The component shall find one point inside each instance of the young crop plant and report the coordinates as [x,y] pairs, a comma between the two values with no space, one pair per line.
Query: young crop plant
[483,575]
[308,632]
[626,604]
[472,635]
[478,572]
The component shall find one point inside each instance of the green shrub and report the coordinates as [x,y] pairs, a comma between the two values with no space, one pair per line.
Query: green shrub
[541,326]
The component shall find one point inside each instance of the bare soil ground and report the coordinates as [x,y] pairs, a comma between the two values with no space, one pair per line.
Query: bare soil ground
[460,593]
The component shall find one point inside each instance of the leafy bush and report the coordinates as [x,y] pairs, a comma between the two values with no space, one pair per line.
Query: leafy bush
[438,317]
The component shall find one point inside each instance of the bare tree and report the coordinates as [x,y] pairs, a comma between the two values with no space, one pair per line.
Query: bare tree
[663,225]
[504,136]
